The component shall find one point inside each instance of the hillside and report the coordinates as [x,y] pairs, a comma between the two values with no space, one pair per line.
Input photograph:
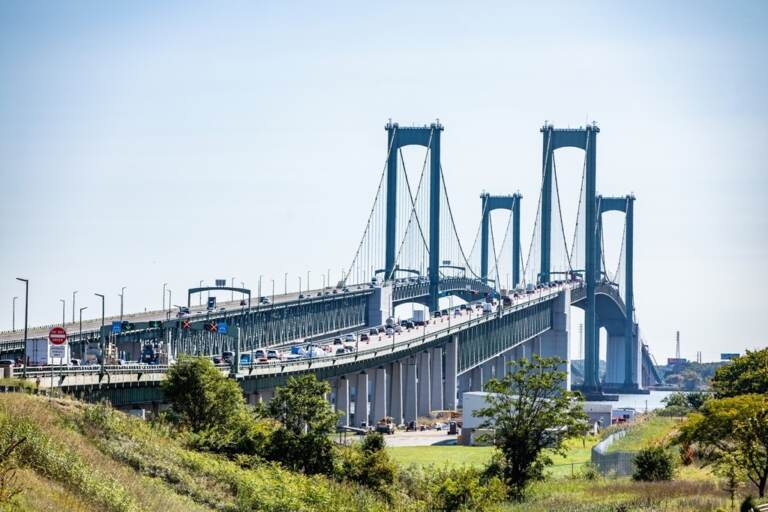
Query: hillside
[79,457]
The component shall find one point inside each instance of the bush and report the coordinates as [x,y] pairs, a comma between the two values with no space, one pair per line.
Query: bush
[369,464]
[653,464]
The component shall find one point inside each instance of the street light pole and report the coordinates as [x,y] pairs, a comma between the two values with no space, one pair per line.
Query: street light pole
[170,295]
[242,294]
[63,311]
[122,297]
[285,284]
[73,305]
[26,315]
[13,317]
[233,291]
[273,292]
[308,288]
[101,331]
[82,344]
[164,285]
[200,295]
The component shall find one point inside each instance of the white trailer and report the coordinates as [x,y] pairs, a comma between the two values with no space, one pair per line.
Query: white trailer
[41,352]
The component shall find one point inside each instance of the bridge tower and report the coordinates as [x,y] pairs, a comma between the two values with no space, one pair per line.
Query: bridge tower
[623,374]
[586,139]
[490,203]
[428,137]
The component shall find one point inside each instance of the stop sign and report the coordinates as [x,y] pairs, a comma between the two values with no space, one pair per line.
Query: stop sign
[57,336]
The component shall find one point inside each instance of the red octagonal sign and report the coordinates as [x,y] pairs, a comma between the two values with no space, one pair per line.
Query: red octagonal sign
[57,336]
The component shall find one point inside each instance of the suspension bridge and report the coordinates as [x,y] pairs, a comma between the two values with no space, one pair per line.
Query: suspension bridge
[410,252]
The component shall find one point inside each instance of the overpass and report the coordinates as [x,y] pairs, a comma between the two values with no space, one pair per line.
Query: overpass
[423,262]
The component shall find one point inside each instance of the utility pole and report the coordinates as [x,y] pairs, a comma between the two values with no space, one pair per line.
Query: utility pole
[26,315]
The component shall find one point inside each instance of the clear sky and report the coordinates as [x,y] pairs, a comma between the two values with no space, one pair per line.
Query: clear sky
[151,142]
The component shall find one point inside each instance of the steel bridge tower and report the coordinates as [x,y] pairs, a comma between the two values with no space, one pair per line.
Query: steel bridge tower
[586,139]
[428,137]
[490,203]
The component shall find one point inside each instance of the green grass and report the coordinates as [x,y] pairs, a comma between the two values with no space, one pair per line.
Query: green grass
[648,431]
[578,453]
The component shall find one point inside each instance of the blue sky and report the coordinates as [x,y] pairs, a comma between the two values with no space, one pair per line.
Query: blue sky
[151,142]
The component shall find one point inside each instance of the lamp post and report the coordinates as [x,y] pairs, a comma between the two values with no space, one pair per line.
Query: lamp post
[308,288]
[81,330]
[273,292]
[170,295]
[242,294]
[101,331]
[285,284]
[73,305]
[200,295]
[233,291]
[13,317]
[329,278]
[122,297]
[26,316]
[299,285]
[164,285]
[63,311]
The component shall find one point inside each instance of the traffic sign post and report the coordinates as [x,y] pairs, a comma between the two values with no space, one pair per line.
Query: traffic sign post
[57,336]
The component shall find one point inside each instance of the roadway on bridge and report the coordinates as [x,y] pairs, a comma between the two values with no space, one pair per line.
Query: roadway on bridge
[93,324]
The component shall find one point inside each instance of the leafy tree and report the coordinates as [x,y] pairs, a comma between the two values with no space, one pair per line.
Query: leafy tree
[200,395]
[732,431]
[213,408]
[744,375]
[302,441]
[530,411]
[653,464]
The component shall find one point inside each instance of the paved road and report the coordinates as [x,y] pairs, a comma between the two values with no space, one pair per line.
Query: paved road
[425,438]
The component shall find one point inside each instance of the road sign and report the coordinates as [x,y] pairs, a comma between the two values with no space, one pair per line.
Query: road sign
[185,324]
[222,327]
[221,282]
[211,302]
[117,327]
[58,352]
[57,336]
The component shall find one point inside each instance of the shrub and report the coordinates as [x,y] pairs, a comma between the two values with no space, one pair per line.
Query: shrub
[463,488]
[369,464]
[653,464]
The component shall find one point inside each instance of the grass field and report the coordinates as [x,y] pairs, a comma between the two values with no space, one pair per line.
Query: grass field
[649,431]
[478,456]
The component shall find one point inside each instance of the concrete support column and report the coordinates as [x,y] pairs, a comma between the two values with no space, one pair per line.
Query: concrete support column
[556,341]
[425,401]
[476,376]
[500,369]
[509,356]
[410,399]
[361,400]
[451,367]
[379,395]
[488,368]
[396,392]
[342,399]
[265,395]
[614,360]
[463,383]
[436,378]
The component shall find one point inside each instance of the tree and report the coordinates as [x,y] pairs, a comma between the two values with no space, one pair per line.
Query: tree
[530,411]
[200,395]
[732,431]
[302,442]
[368,464]
[653,464]
[745,374]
